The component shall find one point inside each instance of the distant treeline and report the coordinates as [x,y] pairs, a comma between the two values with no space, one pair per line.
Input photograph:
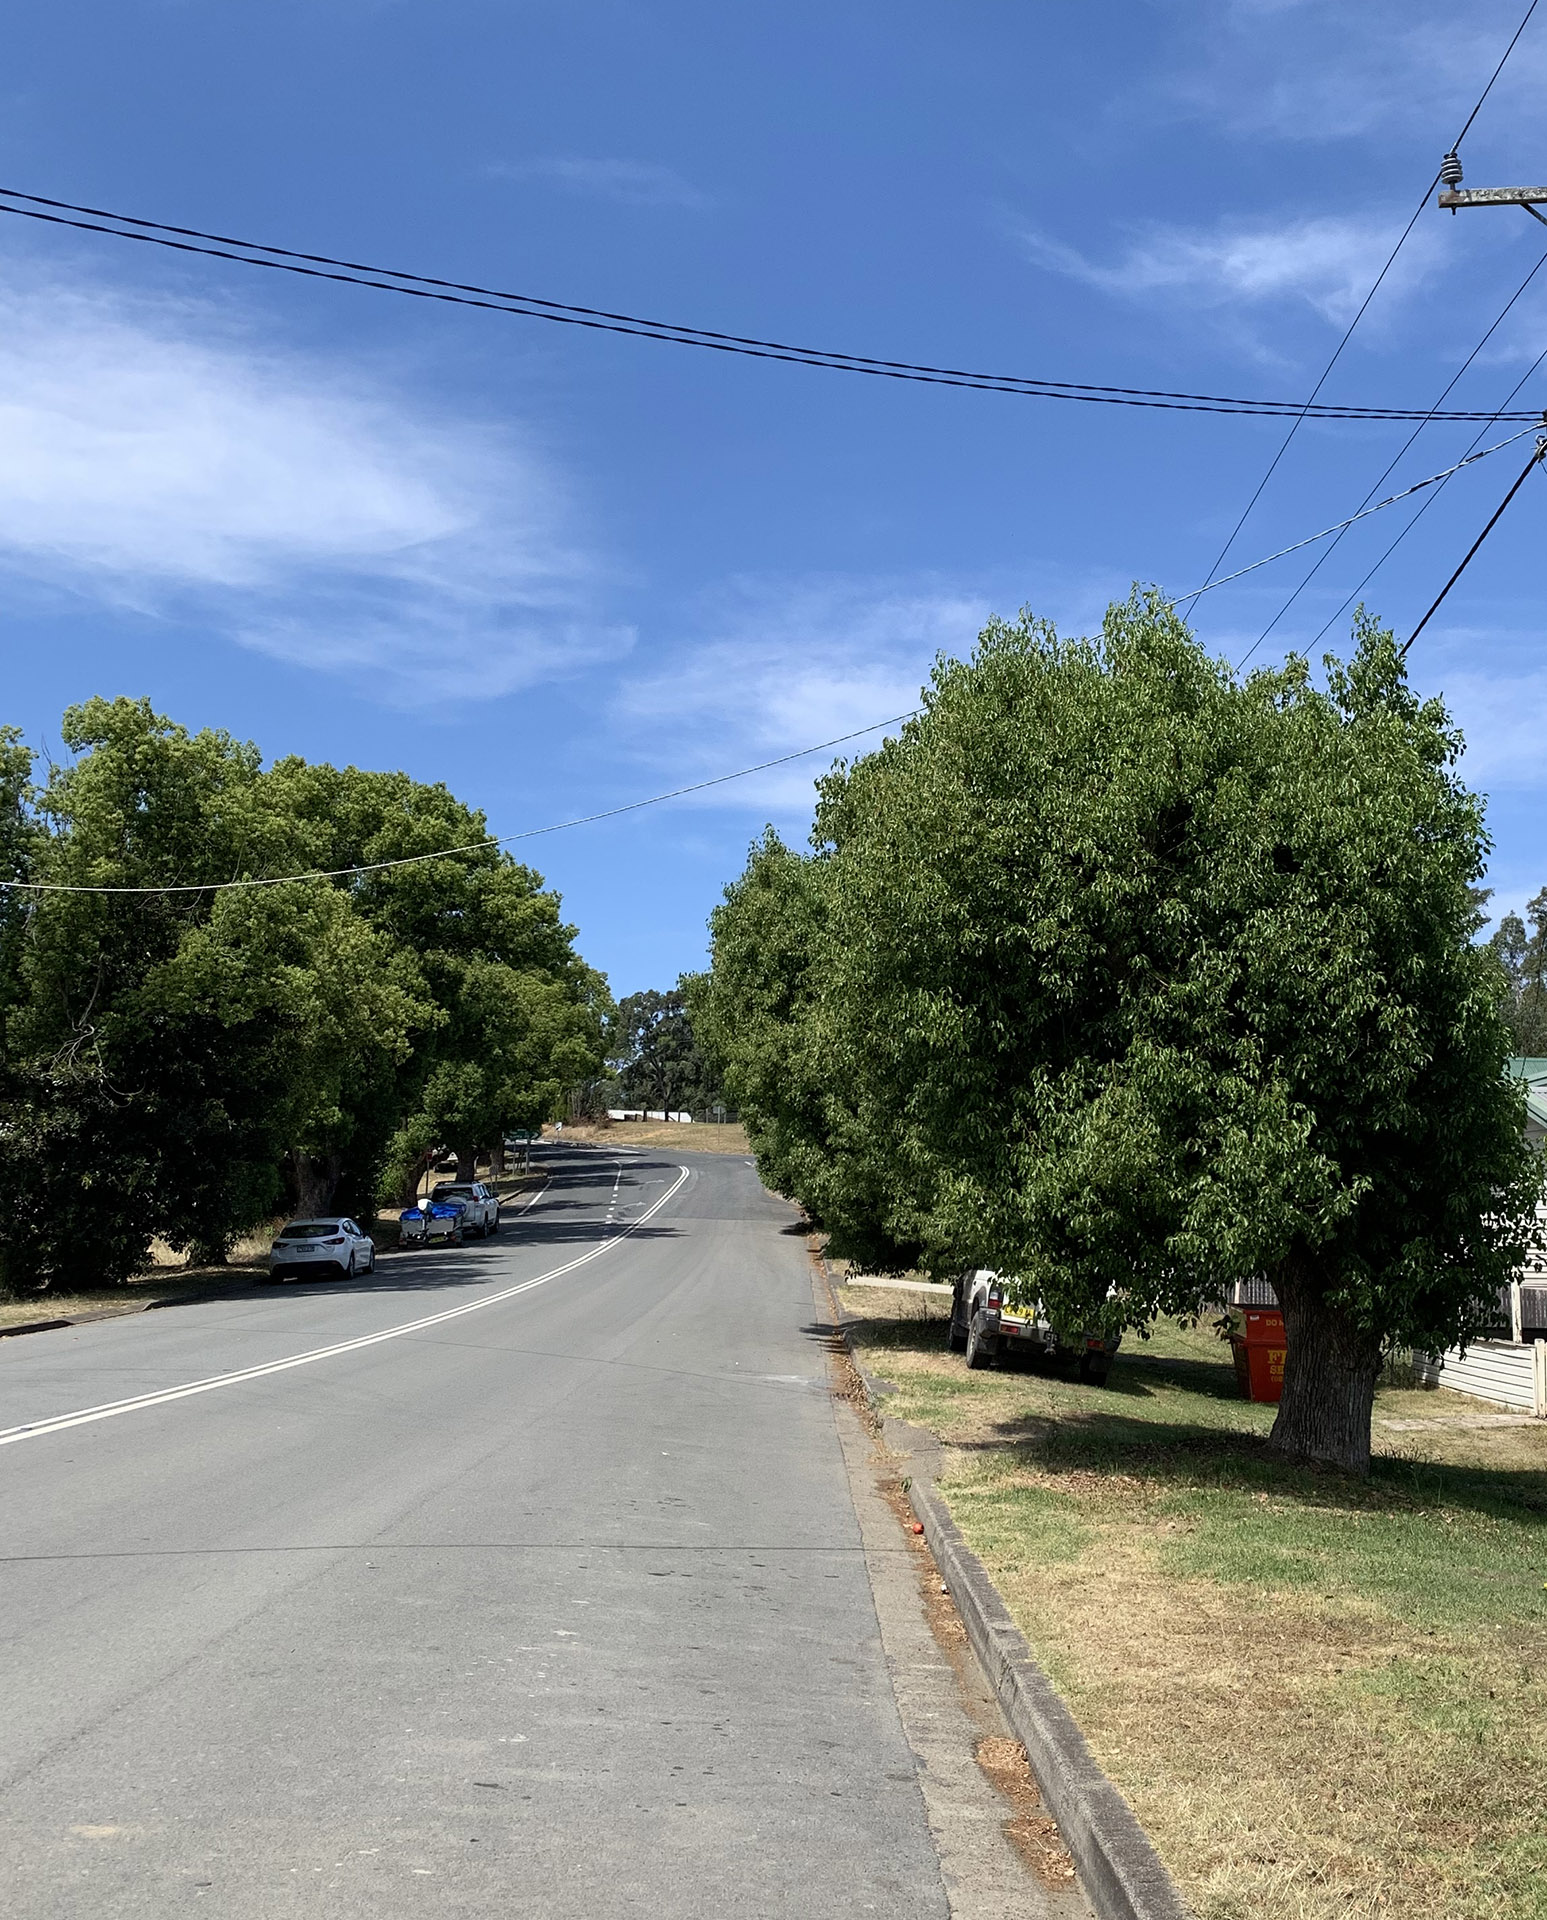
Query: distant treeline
[181,1062]
[1523,958]
[655,1057]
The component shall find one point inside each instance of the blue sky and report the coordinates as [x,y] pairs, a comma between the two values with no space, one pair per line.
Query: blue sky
[561,570]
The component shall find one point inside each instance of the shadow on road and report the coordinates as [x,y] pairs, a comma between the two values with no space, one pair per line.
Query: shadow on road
[566,1214]
[469,1266]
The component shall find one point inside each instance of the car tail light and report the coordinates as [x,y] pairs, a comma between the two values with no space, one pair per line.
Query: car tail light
[337,1242]
[995,1298]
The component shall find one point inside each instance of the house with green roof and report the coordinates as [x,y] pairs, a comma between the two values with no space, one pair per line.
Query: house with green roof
[1534,1073]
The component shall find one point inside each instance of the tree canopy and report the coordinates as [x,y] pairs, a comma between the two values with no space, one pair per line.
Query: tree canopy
[183,1062]
[655,1052]
[1129,978]
[1522,958]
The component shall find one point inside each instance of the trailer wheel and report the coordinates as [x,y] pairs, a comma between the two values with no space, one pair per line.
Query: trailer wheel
[980,1343]
[1093,1369]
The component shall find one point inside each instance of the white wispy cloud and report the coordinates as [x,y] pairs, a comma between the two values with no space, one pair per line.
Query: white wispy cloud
[1321,70]
[1328,262]
[632,183]
[1503,716]
[778,666]
[155,456]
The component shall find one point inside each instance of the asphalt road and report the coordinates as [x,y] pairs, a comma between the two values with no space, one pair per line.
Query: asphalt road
[555,1606]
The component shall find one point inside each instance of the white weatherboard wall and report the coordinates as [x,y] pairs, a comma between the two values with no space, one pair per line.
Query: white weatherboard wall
[1497,1370]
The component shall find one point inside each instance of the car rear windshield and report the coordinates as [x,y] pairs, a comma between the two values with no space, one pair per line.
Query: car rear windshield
[309,1230]
[455,1193]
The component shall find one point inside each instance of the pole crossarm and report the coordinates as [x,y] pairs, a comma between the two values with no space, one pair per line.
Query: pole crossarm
[1454,197]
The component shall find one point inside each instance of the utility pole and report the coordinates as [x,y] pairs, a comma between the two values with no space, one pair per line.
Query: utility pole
[1455,196]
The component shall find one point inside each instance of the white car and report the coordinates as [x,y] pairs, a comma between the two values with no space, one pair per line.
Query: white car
[479,1202]
[326,1249]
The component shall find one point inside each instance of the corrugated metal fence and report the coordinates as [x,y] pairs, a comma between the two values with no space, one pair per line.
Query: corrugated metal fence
[1496,1370]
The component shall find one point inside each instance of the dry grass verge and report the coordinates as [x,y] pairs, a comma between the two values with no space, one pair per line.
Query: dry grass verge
[702,1136]
[1321,1698]
[134,1295]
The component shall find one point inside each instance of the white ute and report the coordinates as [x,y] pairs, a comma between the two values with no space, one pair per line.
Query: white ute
[985,1329]
[480,1204]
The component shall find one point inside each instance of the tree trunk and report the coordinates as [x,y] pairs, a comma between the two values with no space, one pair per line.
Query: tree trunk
[316,1180]
[1329,1378]
[467,1164]
[497,1160]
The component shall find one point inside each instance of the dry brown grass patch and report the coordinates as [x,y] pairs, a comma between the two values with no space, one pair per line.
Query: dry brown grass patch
[1249,1739]
[1322,1698]
[701,1136]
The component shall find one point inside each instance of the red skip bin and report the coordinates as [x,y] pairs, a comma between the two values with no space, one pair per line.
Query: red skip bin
[1259,1353]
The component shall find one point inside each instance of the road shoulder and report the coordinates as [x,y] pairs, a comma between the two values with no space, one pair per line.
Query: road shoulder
[1000,1855]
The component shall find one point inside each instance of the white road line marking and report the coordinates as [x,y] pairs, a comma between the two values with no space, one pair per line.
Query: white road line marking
[112,1408]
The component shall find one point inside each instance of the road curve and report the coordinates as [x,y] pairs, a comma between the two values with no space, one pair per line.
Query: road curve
[555,1606]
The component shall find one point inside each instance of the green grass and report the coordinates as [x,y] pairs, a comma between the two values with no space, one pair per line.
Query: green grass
[1321,1695]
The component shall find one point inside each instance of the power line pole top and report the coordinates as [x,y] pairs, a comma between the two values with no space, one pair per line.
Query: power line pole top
[1455,196]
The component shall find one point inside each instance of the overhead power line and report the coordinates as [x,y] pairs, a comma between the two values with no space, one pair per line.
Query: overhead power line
[315,266]
[471,846]
[800,753]
[1391,465]
[780,760]
[1428,502]
[1310,410]
[1536,460]
[1340,527]
[1503,60]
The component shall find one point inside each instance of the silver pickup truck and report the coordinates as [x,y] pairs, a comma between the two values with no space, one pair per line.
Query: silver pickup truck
[479,1203]
[985,1329]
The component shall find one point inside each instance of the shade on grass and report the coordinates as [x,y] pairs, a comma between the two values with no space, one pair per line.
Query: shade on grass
[1319,1693]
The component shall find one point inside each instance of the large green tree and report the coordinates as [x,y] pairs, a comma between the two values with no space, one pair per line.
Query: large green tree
[1134,979]
[769,1018]
[1522,958]
[656,1054]
[182,1058]
[519,1014]
[172,1045]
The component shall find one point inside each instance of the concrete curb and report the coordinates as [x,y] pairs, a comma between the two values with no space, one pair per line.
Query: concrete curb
[1121,1872]
[33,1326]
[1123,1876]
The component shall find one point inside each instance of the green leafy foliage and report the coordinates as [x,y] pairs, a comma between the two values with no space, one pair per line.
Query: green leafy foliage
[182,1063]
[1522,959]
[1129,979]
[656,1055]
